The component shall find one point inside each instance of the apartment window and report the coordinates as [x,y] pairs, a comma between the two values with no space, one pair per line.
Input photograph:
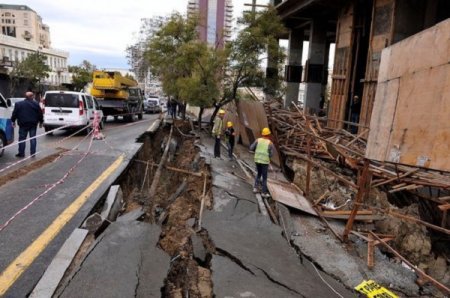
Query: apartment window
[10,54]
[16,56]
[25,22]
[9,31]
[22,56]
[25,15]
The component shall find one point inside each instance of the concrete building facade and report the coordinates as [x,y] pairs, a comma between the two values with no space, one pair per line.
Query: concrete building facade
[216,17]
[360,30]
[24,33]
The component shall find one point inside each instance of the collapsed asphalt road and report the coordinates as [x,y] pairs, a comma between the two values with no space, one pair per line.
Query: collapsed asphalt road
[36,220]
[237,252]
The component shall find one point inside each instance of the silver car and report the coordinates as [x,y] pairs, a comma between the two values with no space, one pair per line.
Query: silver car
[152,105]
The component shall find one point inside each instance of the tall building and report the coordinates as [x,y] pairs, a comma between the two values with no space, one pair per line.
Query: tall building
[23,33]
[216,17]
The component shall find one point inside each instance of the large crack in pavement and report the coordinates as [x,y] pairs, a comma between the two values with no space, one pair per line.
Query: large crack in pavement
[279,283]
[232,195]
[234,259]
[61,290]
[138,273]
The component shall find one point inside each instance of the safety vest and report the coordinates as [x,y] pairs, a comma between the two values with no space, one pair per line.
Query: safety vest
[262,151]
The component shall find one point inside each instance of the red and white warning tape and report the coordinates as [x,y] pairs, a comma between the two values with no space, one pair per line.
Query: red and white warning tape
[51,187]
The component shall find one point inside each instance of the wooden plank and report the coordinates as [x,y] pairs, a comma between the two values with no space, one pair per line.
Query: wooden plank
[418,134]
[289,195]
[382,118]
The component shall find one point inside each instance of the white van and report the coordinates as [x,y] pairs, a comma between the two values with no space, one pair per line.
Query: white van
[75,109]
[6,128]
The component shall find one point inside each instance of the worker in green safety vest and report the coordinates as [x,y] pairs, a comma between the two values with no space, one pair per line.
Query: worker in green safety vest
[263,148]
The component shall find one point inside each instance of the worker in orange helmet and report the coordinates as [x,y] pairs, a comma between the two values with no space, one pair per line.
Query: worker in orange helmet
[263,148]
[217,132]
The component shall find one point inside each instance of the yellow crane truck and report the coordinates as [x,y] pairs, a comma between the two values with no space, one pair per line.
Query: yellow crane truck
[117,95]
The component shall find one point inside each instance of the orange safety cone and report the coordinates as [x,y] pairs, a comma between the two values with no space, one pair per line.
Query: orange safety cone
[97,135]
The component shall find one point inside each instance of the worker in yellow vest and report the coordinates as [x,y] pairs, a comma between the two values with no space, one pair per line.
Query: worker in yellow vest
[217,132]
[263,148]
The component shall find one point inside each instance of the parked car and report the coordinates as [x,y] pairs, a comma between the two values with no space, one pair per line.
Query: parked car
[6,128]
[14,100]
[152,104]
[75,109]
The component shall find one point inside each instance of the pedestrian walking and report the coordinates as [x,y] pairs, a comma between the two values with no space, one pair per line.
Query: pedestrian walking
[229,137]
[28,115]
[263,148]
[173,104]
[217,132]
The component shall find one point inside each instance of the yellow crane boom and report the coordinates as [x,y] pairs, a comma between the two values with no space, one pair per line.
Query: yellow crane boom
[111,84]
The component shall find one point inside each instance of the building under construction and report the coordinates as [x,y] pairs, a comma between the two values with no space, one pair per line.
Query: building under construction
[361,29]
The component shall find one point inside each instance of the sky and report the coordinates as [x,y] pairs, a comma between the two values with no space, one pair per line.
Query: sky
[100,30]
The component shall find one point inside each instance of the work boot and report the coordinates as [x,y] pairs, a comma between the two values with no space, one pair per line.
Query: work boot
[255,190]
[265,195]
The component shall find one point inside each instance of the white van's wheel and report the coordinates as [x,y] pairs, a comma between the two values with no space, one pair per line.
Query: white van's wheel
[2,143]
[47,129]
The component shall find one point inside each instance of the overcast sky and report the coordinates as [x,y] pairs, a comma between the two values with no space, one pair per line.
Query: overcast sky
[100,30]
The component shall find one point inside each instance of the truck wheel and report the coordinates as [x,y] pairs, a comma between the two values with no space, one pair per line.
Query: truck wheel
[2,143]
[47,129]
[116,118]
[140,116]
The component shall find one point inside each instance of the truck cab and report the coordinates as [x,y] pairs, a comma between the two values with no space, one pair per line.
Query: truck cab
[6,128]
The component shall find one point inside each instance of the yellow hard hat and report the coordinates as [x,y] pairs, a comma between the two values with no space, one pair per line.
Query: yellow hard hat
[221,112]
[229,124]
[265,131]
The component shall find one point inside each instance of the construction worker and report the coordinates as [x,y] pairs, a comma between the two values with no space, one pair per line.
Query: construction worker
[229,137]
[217,132]
[263,148]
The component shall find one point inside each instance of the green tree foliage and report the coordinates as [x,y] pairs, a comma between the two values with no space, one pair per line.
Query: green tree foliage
[207,76]
[81,74]
[32,69]
[189,69]
[258,36]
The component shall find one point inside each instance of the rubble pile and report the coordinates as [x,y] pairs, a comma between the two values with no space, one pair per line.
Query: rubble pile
[336,159]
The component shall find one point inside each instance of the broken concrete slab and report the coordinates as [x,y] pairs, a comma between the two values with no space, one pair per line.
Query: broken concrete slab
[229,206]
[132,215]
[93,222]
[125,263]
[113,203]
[258,244]
[333,257]
[231,280]
[55,271]
[198,248]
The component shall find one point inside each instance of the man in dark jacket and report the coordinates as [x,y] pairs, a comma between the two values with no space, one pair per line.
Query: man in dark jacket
[28,115]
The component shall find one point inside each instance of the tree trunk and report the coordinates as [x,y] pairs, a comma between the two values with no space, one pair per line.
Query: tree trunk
[199,120]
[183,111]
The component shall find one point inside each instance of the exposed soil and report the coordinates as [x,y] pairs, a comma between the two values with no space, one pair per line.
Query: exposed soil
[187,277]
[425,248]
